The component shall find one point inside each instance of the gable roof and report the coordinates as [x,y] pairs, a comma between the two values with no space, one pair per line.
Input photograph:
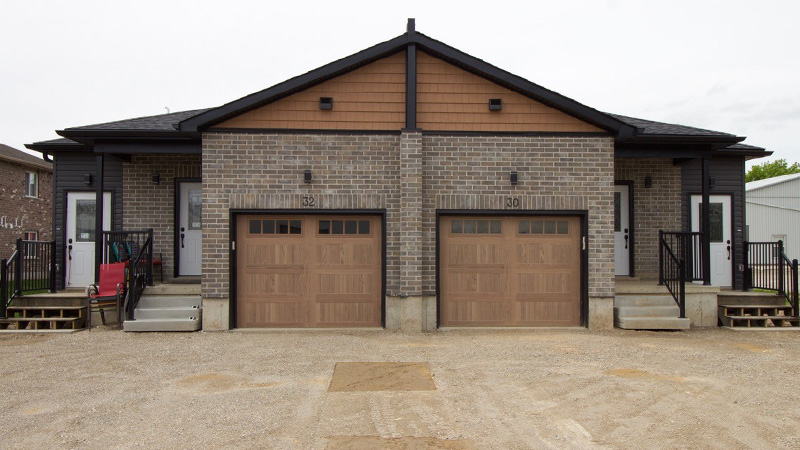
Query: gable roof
[15,156]
[760,184]
[652,128]
[392,46]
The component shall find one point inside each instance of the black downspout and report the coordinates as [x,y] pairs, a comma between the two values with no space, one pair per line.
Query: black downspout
[411,78]
[98,219]
[706,216]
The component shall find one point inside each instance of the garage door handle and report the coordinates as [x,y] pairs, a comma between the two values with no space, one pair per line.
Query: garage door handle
[729,250]
[182,236]
[626,238]
[583,242]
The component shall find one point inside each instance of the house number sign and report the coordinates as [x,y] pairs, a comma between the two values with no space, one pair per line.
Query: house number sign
[309,201]
[512,202]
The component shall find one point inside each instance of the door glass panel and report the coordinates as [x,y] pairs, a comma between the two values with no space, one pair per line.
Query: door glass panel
[363,227]
[195,204]
[563,227]
[496,227]
[255,227]
[457,226]
[715,214]
[550,227]
[294,227]
[350,227]
[324,227]
[483,226]
[617,219]
[84,220]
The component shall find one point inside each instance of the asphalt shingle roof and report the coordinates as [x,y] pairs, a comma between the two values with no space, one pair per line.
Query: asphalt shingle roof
[650,127]
[11,154]
[162,122]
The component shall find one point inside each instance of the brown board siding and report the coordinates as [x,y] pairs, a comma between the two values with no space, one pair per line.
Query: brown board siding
[369,98]
[452,99]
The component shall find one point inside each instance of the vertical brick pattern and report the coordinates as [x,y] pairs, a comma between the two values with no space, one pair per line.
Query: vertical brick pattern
[655,208]
[20,214]
[149,205]
[555,173]
[411,213]
[265,171]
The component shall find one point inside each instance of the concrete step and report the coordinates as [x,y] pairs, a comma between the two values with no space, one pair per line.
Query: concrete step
[167,313]
[648,311]
[169,301]
[749,298]
[142,325]
[652,323]
[173,289]
[643,300]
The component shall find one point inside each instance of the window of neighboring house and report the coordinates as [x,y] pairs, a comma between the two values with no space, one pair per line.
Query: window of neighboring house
[31,184]
[30,249]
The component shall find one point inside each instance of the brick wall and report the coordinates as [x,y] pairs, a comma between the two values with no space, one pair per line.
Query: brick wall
[20,214]
[654,208]
[265,171]
[554,174]
[149,205]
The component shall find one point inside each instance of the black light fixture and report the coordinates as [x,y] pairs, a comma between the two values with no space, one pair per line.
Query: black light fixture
[326,103]
[307,176]
[514,178]
[495,104]
[648,181]
[87,179]
[156,178]
[712,182]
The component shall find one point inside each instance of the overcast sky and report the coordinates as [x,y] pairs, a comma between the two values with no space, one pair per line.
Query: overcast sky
[730,66]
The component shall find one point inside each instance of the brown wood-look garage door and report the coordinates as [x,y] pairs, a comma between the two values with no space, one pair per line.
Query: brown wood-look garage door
[509,271]
[308,271]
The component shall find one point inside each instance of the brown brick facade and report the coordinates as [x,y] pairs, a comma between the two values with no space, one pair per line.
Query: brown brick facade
[20,214]
[149,205]
[654,208]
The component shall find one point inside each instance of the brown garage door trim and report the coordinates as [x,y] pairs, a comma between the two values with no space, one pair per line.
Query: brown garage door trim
[235,213]
[584,270]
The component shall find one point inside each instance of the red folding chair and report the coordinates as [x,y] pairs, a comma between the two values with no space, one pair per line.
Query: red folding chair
[109,293]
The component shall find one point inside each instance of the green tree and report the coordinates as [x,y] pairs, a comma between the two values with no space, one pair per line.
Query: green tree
[771,169]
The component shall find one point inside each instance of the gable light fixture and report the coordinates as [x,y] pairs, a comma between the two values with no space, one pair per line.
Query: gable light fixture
[648,181]
[514,178]
[326,103]
[495,104]
[156,178]
[307,176]
[87,179]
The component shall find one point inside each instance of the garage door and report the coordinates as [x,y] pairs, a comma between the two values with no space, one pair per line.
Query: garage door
[509,271]
[308,271]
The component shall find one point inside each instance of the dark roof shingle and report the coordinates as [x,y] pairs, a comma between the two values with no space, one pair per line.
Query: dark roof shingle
[11,154]
[161,122]
[649,127]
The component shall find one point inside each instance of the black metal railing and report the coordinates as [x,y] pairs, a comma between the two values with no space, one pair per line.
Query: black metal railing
[139,269]
[124,246]
[688,246]
[672,272]
[767,267]
[30,269]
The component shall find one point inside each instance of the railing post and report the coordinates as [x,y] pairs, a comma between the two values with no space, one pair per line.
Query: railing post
[746,266]
[660,257]
[18,269]
[781,268]
[3,287]
[52,266]
[682,278]
[796,301]
[149,250]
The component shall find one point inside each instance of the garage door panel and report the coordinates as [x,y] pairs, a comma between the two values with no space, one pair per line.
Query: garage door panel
[309,271]
[524,272]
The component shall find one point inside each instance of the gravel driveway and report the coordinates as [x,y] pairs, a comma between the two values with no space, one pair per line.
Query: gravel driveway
[494,389]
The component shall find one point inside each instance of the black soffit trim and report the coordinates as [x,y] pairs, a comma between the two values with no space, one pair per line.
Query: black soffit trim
[400,43]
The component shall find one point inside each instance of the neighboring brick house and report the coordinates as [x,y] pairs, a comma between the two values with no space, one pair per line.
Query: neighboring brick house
[26,192]
[410,186]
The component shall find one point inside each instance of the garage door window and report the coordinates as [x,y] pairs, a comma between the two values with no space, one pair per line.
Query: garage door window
[344,227]
[476,226]
[258,226]
[543,227]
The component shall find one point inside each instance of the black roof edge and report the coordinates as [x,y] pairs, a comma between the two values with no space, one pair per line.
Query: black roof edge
[749,153]
[43,147]
[436,48]
[88,137]
[292,85]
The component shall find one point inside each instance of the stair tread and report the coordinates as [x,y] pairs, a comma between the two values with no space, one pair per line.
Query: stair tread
[46,308]
[42,319]
[186,319]
[765,317]
[756,306]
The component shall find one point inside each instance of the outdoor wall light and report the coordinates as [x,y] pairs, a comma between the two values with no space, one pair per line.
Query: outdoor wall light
[87,179]
[495,104]
[712,182]
[156,178]
[326,103]
[514,178]
[648,181]
[307,176]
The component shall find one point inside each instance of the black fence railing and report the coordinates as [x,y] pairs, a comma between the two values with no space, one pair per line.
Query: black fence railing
[125,246]
[672,272]
[140,268]
[30,269]
[767,267]
[687,246]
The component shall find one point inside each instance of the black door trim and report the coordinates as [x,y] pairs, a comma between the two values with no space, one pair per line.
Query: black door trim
[234,215]
[584,270]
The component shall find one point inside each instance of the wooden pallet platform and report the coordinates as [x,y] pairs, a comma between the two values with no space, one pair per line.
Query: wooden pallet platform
[758,316]
[40,318]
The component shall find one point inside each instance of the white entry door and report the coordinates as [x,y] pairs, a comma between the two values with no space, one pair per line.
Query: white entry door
[720,238]
[81,234]
[190,233]
[622,228]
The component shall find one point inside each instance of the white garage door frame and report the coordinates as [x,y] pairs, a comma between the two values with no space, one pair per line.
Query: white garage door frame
[583,215]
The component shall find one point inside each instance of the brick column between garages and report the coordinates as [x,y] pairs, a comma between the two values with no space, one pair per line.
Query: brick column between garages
[411,213]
